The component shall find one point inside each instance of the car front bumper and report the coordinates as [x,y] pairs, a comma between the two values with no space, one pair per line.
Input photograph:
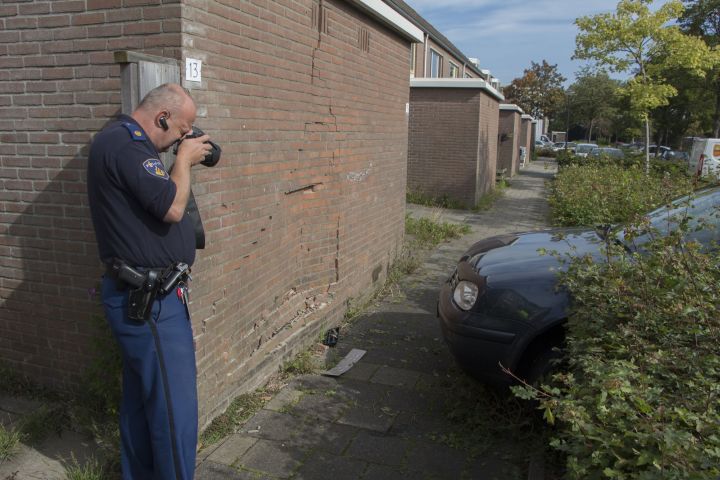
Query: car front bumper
[480,344]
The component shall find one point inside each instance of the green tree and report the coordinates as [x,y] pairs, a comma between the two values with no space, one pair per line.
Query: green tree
[539,91]
[702,18]
[629,39]
[592,99]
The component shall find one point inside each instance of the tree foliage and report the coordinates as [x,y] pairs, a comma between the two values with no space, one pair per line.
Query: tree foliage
[539,91]
[646,43]
[591,99]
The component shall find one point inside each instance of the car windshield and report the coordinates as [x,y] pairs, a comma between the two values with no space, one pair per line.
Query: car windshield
[702,210]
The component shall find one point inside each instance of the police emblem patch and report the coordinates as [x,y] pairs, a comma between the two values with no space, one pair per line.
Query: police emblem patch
[155,168]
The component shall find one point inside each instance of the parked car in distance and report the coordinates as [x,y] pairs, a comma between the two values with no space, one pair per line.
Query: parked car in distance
[557,146]
[674,155]
[584,149]
[655,150]
[501,305]
[705,157]
[607,152]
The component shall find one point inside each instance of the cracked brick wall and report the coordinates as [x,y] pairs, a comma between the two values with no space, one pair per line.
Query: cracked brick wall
[304,212]
[452,147]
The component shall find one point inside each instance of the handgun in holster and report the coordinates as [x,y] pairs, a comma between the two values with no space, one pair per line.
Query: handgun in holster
[140,299]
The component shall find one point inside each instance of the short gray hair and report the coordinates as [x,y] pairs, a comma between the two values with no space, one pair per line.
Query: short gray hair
[170,96]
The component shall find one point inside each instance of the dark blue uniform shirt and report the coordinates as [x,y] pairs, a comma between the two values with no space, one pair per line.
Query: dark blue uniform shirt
[130,192]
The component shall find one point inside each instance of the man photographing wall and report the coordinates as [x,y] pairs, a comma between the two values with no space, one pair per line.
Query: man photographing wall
[147,241]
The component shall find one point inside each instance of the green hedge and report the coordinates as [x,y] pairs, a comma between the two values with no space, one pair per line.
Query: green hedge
[640,398]
[607,193]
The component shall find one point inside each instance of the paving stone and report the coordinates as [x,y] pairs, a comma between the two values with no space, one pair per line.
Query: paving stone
[385,472]
[361,371]
[382,449]
[369,418]
[418,426]
[272,458]
[327,406]
[431,460]
[272,425]
[332,438]
[395,377]
[217,471]
[231,449]
[328,466]
[284,398]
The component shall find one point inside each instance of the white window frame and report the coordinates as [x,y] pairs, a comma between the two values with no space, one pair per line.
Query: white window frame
[454,67]
[433,73]
[413,59]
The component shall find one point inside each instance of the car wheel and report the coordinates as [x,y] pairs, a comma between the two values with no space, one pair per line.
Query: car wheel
[543,365]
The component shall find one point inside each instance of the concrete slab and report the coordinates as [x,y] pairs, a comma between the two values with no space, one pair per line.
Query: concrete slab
[395,377]
[380,449]
[231,449]
[328,466]
[272,458]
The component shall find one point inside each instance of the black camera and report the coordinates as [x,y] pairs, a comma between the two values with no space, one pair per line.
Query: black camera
[212,158]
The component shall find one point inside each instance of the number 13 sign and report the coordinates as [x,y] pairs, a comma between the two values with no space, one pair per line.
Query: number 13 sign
[193,70]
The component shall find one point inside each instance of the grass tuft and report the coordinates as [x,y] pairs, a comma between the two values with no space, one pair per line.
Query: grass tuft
[92,469]
[9,441]
[239,412]
[429,233]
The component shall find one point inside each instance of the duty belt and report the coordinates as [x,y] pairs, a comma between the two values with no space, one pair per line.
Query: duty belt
[145,284]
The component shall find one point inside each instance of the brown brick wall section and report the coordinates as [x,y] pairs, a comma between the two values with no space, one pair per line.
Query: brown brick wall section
[304,212]
[292,107]
[58,86]
[508,150]
[525,134]
[453,142]
[487,152]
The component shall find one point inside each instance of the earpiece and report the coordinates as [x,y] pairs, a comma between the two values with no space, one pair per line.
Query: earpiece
[163,123]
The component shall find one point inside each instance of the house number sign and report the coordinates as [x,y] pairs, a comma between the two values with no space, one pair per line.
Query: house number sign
[193,70]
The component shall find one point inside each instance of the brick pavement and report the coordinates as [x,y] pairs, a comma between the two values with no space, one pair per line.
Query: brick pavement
[383,418]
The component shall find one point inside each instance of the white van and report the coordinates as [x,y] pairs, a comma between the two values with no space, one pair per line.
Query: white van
[705,157]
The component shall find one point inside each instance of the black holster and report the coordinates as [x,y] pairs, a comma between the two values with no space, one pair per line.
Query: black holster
[144,286]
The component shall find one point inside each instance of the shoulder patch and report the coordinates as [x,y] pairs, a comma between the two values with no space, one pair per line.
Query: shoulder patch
[155,168]
[135,132]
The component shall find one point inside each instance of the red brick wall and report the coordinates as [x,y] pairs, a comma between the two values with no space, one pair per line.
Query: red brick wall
[525,134]
[508,150]
[304,212]
[488,138]
[58,86]
[292,107]
[453,142]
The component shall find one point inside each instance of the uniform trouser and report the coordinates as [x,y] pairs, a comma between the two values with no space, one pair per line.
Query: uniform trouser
[158,414]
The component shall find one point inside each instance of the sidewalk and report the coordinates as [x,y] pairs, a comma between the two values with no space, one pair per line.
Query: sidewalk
[387,417]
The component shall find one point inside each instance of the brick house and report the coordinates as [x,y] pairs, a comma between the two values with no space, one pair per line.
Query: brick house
[304,212]
[509,133]
[452,149]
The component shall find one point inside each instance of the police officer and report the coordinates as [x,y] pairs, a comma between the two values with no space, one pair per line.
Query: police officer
[138,211]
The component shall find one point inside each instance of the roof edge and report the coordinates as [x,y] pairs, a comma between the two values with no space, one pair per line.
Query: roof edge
[456,83]
[386,15]
[527,117]
[511,106]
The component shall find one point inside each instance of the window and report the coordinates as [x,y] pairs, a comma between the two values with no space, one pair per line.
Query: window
[467,75]
[413,52]
[454,70]
[435,64]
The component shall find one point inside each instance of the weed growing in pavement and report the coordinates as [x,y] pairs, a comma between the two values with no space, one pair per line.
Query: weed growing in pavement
[9,441]
[489,199]
[443,201]
[302,364]
[483,416]
[92,469]
[239,412]
[39,424]
[429,232]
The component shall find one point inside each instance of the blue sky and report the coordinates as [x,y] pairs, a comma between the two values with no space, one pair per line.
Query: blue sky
[506,35]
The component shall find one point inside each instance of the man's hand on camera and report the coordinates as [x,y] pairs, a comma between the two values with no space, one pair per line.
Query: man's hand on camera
[193,150]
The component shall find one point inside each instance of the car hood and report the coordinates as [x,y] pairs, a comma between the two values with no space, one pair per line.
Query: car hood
[531,254]
[519,281]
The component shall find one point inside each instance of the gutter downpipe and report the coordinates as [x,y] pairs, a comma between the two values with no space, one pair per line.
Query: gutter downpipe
[425,55]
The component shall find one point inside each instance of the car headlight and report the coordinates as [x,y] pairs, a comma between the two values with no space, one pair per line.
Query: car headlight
[465,294]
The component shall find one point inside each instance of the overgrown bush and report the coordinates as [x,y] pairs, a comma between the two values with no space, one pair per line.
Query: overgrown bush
[596,194]
[641,394]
